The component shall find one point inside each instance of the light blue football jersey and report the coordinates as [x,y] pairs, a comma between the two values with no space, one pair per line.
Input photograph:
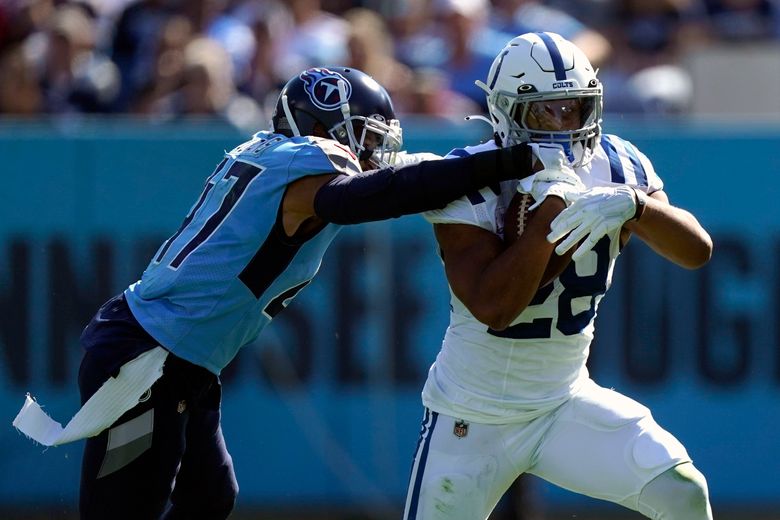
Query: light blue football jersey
[229,269]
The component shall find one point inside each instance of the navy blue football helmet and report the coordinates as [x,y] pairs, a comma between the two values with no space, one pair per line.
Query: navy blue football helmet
[350,105]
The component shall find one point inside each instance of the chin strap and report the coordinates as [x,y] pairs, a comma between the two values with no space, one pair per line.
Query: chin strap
[344,106]
[486,89]
[288,115]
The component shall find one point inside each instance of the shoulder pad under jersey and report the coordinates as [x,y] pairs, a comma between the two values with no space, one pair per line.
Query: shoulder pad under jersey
[317,156]
[406,158]
[626,164]
[470,150]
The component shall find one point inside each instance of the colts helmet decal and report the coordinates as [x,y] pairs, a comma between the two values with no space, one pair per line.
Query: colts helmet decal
[322,87]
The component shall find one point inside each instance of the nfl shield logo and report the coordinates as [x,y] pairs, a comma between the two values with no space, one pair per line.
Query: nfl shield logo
[461,429]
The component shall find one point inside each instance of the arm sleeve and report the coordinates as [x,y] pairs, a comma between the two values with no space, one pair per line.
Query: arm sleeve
[390,193]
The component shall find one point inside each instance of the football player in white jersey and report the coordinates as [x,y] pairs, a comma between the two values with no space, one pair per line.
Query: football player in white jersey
[509,392]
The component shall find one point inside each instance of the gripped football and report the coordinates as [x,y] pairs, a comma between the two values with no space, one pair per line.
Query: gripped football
[517,216]
[516,219]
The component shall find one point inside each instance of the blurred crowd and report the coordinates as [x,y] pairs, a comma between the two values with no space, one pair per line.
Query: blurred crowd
[170,59]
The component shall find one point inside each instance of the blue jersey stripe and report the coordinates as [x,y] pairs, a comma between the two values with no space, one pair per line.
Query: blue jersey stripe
[475,198]
[423,458]
[459,152]
[498,68]
[270,261]
[616,168]
[555,55]
[633,155]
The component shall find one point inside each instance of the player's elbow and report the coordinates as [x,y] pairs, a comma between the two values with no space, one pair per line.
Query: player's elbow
[495,317]
[498,325]
[698,254]
[497,306]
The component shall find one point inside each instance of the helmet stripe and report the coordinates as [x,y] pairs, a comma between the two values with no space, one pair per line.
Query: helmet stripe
[555,55]
[498,69]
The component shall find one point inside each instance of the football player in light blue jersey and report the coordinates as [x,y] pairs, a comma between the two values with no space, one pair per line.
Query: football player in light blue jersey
[254,237]
[509,392]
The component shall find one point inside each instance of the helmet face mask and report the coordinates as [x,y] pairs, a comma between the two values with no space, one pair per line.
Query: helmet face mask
[349,105]
[373,141]
[535,80]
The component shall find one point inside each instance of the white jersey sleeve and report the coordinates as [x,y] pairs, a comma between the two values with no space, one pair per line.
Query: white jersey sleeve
[457,212]
[406,158]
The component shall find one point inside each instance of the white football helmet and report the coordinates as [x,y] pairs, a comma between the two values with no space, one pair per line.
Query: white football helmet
[532,70]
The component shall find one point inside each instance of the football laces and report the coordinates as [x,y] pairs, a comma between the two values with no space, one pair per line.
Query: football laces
[522,213]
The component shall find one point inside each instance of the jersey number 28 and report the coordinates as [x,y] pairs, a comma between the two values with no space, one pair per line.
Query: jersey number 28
[574,286]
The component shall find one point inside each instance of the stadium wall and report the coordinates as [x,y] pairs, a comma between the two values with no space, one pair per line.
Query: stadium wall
[324,409]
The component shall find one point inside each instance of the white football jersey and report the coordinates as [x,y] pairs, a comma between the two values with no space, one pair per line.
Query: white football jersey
[536,363]
[406,158]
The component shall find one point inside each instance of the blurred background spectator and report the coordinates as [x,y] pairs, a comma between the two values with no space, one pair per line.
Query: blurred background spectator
[649,37]
[519,16]
[743,20]
[370,49]
[160,59]
[136,36]
[313,36]
[20,94]
[74,75]
[206,88]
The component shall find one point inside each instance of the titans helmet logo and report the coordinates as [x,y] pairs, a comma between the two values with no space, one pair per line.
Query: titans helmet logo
[322,87]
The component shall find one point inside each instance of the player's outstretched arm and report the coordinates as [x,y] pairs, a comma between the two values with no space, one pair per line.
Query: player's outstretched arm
[390,192]
[496,282]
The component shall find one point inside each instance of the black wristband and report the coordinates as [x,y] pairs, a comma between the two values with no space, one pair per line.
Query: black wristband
[641,202]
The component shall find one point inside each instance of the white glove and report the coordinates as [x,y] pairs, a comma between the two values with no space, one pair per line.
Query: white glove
[595,213]
[557,178]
